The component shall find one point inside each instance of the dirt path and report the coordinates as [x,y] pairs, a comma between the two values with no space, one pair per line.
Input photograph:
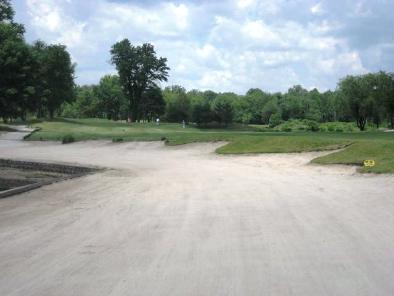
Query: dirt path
[184,221]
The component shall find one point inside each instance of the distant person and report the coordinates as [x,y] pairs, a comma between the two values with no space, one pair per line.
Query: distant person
[158,121]
[183,124]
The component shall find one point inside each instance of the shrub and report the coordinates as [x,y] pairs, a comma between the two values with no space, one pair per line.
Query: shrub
[312,125]
[275,120]
[349,128]
[286,128]
[68,139]
[339,130]
[331,128]
[117,140]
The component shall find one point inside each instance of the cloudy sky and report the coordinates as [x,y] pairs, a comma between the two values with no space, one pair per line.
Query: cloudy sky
[229,45]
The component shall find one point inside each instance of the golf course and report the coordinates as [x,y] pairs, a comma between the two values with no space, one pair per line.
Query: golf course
[196,148]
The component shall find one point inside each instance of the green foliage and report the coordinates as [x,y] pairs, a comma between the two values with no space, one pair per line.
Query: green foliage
[178,104]
[68,139]
[139,69]
[369,96]
[275,120]
[37,78]
[312,125]
[17,66]
[117,140]
[338,126]
[223,110]
[270,108]
[109,98]
[56,76]
[153,104]
[6,11]
[202,112]
[247,109]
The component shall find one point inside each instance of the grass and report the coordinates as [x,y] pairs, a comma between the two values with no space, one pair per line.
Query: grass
[375,145]
[382,152]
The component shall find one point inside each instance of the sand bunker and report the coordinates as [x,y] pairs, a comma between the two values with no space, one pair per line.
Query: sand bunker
[185,221]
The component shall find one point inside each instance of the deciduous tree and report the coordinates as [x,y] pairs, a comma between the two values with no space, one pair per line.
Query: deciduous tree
[139,69]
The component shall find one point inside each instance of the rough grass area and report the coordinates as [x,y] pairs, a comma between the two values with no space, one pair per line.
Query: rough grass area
[378,146]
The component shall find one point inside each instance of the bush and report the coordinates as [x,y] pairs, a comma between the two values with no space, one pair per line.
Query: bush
[339,126]
[117,140]
[286,128]
[331,128]
[349,128]
[312,125]
[68,139]
[275,120]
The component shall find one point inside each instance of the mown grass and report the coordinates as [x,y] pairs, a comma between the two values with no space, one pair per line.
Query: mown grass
[242,139]
[382,152]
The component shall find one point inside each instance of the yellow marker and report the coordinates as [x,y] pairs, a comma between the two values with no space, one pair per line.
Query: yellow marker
[369,163]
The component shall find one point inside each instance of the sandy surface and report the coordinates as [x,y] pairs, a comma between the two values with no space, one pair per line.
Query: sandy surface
[184,221]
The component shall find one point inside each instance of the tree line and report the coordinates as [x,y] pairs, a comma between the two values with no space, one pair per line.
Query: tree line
[360,98]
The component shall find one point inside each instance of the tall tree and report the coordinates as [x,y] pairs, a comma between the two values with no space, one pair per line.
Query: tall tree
[59,76]
[202,112]
[139,69]
[178,105]
[6,11]
[16,64]
[85,105]
[110,96]
[54,77]
[223,109]
[153,104]
[269,109]
[385,91]
[356,89]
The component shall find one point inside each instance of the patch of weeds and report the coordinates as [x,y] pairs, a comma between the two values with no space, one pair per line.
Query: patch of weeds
[68,139]
[117,140]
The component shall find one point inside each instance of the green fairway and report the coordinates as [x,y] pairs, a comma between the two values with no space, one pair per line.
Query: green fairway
[378,146]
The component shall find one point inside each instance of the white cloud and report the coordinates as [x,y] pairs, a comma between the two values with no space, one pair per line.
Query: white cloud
[260,31]
[245,3]
[49,17]
[361,10]
[344,63]
[317,9]
[228,45]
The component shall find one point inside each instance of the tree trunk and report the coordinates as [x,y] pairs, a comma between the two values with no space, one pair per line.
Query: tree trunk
[361,121]
[51,113]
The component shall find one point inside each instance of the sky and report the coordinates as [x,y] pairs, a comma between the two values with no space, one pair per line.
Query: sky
[225,46]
